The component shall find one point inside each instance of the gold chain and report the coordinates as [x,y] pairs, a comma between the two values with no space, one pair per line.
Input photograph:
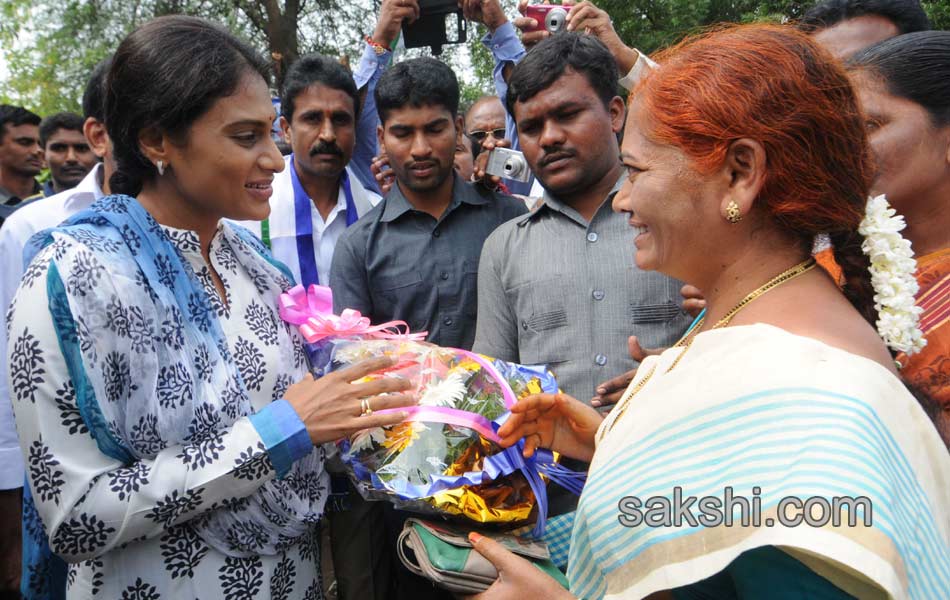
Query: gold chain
[687,340]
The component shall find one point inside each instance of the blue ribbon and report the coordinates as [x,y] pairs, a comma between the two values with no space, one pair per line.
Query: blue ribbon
[303,223]
[495,466]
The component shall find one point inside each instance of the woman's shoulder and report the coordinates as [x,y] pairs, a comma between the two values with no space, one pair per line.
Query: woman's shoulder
[83,259]
[823,316]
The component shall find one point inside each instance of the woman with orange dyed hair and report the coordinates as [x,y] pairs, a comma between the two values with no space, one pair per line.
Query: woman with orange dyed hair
[773,452]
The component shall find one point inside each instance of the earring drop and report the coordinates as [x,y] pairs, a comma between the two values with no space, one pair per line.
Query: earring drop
[160,165]
[732,212]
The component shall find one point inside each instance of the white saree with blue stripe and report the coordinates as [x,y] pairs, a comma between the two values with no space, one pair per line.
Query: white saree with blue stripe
[758,407]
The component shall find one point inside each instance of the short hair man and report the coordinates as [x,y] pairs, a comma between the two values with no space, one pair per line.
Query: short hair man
[317,196]
[485,118]
[415,256]
[21,157]
[559,286]
[67,152]
[14,234]
[847,26]
[563,98]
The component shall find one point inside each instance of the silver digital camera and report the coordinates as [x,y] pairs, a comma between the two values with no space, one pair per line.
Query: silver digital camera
[507,163]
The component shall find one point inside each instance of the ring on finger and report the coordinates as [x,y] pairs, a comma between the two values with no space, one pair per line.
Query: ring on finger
[365,408]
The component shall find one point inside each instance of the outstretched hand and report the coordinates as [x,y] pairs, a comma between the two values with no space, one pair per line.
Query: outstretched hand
[610,391]
[517,577]
[554,421]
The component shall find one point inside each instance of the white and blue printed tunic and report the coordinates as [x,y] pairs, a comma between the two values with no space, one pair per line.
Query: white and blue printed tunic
[126,528]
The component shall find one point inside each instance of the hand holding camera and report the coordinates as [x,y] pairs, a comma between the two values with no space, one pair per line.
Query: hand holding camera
[532,23]
[487,12]
[497,160]
[392,13]
[587,18]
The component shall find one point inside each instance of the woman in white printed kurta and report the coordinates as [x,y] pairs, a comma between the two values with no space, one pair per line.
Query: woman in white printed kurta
[98,511]
[172,433]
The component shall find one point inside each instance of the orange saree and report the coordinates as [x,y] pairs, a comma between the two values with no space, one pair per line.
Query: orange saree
[930,369]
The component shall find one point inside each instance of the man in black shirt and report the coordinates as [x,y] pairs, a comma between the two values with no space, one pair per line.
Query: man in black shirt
[21,157]
[415,256]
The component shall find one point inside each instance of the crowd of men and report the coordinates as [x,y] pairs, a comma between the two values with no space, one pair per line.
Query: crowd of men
[402,222]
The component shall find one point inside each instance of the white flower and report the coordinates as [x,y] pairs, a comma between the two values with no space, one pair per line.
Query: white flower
[445,392]
[892,276]
[353,351]
[366,439]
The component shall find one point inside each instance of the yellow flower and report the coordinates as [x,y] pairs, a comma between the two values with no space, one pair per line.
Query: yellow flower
[469,365]
[534,386]
[400,436]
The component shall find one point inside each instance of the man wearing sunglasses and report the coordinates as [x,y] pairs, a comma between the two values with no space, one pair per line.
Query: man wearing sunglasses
[486,118]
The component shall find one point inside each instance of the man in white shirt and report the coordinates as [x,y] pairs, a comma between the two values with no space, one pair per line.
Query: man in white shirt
[15,233]
[317,196]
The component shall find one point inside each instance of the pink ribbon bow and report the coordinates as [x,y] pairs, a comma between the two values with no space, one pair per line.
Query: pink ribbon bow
[312,311]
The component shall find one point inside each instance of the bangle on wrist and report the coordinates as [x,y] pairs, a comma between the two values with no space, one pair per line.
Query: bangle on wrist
[379,48]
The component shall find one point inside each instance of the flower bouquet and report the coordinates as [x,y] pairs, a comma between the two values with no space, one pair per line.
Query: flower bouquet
[445,459]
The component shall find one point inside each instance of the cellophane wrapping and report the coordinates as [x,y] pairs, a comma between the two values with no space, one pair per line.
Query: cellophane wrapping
[428,465]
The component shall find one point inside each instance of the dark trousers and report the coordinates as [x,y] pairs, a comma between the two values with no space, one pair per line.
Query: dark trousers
[363,542]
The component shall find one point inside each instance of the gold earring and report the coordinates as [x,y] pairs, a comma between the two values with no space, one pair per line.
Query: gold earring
[732,212]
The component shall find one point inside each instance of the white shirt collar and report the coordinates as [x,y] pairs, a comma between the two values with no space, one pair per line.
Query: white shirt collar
[87,192]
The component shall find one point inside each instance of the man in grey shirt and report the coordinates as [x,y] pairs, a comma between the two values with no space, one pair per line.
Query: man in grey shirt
[560,286]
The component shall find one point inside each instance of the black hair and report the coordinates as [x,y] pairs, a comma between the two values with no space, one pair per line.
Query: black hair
[907,15]
[316,69]
[166,74]
[551,58]
[417,82]
[16,116]
[93,96]
[914,66]
[63,120]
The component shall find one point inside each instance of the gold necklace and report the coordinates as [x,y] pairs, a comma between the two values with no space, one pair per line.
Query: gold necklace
[687,340]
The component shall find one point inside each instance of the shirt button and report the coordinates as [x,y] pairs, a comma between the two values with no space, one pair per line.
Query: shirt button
[444,275]
[600,359]
[447,321]
[599,294]
[436,233]
[592,237]
[524,325]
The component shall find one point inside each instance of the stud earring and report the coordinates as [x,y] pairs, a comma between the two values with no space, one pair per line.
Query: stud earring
[732,212]
[160,165]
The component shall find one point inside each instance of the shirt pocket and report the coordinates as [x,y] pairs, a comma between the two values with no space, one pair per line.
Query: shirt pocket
[397,298]
[654,313]
[656,317]
[544,332]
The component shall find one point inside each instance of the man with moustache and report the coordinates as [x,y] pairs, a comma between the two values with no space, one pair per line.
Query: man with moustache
[563,99]
[559,286]
[317,196]
[415,257]
[328,118]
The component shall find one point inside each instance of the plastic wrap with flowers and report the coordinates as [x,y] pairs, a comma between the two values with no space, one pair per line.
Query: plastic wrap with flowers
[445,459]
